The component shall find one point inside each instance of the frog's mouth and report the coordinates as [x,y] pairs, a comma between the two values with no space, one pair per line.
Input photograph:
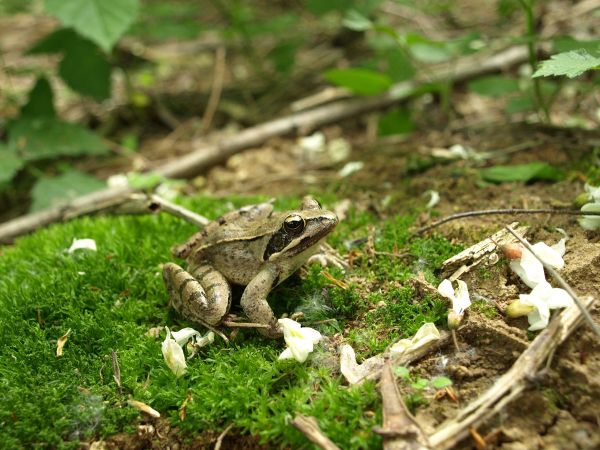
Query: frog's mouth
[316,228]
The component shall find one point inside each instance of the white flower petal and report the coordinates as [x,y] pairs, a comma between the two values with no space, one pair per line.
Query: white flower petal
[434,200]
[173,354]
[184,335]
[549,255]
[594,192]
[427,333]
[463,300]
[286,354]
[118,180]
[539,317]
[82,244]
[446,290]
[529,269]
[300,341]
[311,335]
[559,298]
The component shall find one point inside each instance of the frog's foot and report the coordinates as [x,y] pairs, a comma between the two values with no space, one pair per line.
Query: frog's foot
[203,296]
[328,257]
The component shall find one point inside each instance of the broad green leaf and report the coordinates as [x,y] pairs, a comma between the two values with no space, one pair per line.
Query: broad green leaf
[284,56]
[83,67]
[46,138]
[40,102]
[356,21]
[10,163]
[494,85]
[563,44]
[571,64]
[53,191]
[358,80]
[441,382]
[397,121]
[430,52]
[399,66]
[102,21]
[320,7]
[523,172]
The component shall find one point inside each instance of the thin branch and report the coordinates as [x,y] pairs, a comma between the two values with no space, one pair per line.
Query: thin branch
[561,281]
[310,428]
[498,212]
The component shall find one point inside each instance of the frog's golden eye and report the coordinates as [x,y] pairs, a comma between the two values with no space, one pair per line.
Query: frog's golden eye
[294,224]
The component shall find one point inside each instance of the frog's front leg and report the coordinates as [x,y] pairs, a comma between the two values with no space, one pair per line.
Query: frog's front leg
[202,295]
[254,302]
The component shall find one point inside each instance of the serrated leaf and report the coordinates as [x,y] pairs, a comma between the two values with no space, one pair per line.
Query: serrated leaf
[10,163]
[359,80]
[441,382]
[102,21]
[53,191]
[46,138]
[494,85]
[40,102]
[523,172]
[570,64]
[83,67]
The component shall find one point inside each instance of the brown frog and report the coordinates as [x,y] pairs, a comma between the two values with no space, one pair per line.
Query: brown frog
[254,247]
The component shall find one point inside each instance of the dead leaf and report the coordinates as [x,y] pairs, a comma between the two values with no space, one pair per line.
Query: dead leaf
[143,408]
[61,343]
[182,408]
[334,280]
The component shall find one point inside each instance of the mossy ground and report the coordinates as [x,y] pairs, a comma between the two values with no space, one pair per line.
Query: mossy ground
[109,299]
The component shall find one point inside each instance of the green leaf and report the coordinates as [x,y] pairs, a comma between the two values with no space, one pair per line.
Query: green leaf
[571,64]
[356,21]
[494,85]
[284,56]
[520,103]
[562,44]
[10,163]
[52,191]
[83,67]
[102,21]
[397,121]
[40,102]
[43,138]
[524,172]
[358,80]
[402,372]
[441,382]
[420,384]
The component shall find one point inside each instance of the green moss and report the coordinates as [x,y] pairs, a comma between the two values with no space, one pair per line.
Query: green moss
[484,308]
[112,297]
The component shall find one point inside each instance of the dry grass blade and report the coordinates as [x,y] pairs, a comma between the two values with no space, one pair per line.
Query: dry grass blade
[144,408]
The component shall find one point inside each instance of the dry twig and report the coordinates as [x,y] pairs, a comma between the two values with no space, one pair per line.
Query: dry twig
[217,87]
[498,212]
[222,436]
[310,428]
[400,430]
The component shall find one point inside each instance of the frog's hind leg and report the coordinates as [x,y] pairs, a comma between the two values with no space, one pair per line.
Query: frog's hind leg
[203,296]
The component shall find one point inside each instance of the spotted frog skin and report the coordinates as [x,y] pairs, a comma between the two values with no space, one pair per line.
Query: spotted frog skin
[253,247]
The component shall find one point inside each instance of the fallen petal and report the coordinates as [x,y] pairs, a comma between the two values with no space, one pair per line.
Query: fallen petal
[173,354]
[82,244]
[590,222]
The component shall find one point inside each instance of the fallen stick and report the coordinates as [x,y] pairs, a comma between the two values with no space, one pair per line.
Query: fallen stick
[400,430]
[310,428]
[211,154]
[512,383]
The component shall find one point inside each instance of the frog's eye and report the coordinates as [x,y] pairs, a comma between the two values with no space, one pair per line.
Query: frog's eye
[294,224]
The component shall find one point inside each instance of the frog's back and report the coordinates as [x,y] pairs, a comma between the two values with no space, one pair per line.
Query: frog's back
[233,226]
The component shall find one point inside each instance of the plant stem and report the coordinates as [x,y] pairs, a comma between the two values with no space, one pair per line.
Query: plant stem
[527,6]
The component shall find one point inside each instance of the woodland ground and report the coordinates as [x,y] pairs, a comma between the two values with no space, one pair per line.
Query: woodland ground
[386,196]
